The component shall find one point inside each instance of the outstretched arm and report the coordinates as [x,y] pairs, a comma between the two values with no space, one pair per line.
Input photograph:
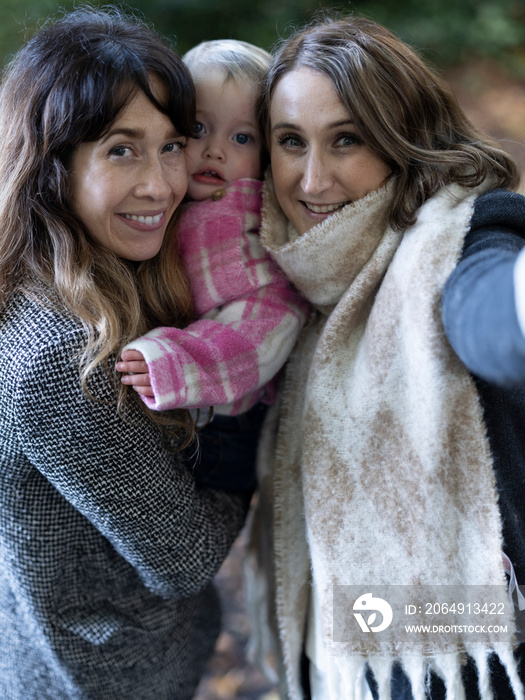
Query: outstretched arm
[483,296]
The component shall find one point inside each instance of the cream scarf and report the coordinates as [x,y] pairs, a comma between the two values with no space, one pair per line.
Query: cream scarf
[377,470]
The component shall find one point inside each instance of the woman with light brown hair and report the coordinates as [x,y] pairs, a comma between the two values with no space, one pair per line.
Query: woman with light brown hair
[396,458]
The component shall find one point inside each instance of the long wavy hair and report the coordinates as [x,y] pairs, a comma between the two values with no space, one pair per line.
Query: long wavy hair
[65,87]
[406,114]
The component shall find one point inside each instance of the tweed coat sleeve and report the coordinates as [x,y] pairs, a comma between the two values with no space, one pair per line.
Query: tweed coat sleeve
[479,304]
[117,474]
[249,314]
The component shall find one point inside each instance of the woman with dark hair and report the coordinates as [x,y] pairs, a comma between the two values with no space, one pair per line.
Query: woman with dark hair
[396,458]
[108,540]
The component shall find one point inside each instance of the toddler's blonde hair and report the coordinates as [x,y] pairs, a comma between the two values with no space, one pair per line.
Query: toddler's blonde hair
[239,59]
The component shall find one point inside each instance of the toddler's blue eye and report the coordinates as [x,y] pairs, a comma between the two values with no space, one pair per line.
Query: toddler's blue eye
[198,130]
[242,138]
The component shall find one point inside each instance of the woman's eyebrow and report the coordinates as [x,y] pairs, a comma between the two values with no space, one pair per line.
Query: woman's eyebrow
[284,125]
[123,131]
[132,133]
[332,125]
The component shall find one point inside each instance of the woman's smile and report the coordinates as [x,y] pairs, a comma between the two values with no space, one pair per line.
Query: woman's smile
[146,222]
[324,208]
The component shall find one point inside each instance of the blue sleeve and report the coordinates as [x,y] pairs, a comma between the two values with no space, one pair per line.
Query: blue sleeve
[479,309]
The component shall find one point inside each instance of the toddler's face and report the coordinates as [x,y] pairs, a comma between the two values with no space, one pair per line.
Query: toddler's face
[228,146]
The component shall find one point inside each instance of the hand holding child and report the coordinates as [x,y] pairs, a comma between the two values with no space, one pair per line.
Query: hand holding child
[135,372]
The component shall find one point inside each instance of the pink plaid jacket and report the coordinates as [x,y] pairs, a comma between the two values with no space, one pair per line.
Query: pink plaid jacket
[249,315]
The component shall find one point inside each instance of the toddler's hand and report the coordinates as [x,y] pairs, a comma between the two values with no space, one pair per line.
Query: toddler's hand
[136,372]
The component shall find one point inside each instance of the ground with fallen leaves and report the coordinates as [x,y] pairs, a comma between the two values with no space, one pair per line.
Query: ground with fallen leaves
[495,101]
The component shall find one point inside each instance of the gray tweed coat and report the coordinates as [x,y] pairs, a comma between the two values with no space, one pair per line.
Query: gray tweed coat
[107,547]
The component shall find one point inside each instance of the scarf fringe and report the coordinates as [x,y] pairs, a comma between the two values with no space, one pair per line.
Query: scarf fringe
[447,667]
[507,659]
[382,670]
[418,674]
[481,657]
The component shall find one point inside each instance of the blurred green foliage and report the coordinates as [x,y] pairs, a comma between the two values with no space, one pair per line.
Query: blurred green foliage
[447,31]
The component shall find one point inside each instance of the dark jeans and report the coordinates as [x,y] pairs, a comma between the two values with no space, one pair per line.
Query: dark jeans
[228,449]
